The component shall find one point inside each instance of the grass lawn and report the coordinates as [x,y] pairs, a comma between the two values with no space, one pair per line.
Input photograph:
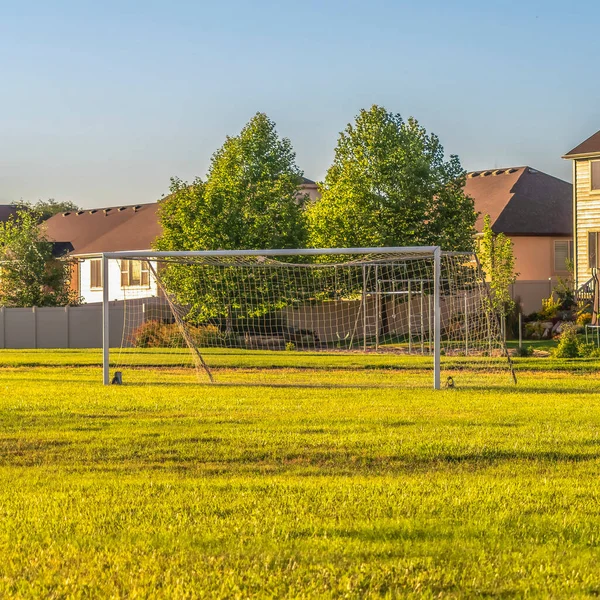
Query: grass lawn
[180,490]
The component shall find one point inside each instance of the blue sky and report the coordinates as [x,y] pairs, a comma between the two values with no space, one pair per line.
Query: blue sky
[102,102]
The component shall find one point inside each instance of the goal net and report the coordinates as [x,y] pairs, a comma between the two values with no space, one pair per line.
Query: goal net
[388,316]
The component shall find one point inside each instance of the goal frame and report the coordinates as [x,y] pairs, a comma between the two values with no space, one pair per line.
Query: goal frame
[434,251]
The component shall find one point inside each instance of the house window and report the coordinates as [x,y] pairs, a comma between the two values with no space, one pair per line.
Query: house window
[593,238]
[96,273]
[563,254]
[595,174]
[135,273]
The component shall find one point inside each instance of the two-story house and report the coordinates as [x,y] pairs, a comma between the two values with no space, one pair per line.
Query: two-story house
[586,207]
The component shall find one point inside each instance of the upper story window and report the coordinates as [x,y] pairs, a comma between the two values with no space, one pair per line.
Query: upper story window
[595,175]
[563,255]
[96,273]
[135,273]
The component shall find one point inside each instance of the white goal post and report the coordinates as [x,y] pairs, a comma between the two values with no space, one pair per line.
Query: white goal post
[433,302]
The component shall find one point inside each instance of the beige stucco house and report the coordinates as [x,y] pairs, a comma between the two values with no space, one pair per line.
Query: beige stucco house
[586,207]
[534,209]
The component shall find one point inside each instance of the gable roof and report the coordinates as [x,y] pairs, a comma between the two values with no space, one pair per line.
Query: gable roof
[106,230]
[589,146]
[115,229]
[522,201]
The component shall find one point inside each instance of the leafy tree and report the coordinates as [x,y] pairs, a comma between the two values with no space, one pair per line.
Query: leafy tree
[29,273]
[250,199]
[48,208]
[498,263]
[389,185]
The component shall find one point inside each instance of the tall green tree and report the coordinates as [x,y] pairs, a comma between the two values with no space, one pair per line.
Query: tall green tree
[498,262]
[250,200]
[390,185]
[48,208]
[29,273]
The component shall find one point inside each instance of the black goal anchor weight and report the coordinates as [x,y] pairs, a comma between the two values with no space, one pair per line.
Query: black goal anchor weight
[117,378]
[450,383]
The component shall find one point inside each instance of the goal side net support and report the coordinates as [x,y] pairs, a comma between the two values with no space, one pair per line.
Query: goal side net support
[284,317]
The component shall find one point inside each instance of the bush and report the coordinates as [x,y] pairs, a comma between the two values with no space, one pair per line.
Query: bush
[290,346]
[524,351]
[156,334]
[151,334]
[583,319]
[566,295]
[588,350]
[568,345]
[550,308]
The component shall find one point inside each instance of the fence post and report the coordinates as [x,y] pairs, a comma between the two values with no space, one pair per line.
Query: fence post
[429,328]
[3,313]
[409,317]
[422,324]
[520,330]
[364,303]
[377,307]
[466,324]
[68,316]
[35,333]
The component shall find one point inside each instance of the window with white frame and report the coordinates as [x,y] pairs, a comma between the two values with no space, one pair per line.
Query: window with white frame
[96,273]
[135,273]
[595,175]
[563,254]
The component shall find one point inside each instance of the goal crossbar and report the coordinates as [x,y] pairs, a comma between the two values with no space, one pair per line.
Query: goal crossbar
[146,254]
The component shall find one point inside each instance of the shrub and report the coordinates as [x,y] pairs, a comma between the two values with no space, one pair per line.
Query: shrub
[550,308]
[583,319]
[156,334]
[589,350]
[524,351]
[290,346]
[210,335]
[534,330]
[150,334]
[565,292]
[568,346]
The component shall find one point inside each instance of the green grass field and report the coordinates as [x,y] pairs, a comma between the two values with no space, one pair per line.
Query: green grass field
[180,490]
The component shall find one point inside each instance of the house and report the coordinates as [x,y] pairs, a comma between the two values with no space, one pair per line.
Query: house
[7,211]
[586,207]
[310,188]
[92,232]
[534,210]
[120,228]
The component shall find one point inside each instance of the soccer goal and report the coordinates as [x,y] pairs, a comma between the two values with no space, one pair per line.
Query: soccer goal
[341,316]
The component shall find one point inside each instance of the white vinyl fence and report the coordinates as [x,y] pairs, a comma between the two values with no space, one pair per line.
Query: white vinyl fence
[68,327]
[81,326]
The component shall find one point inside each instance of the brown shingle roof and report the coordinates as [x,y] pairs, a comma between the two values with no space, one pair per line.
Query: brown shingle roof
[106,230]
[522,201]
[589,146]
[115,229]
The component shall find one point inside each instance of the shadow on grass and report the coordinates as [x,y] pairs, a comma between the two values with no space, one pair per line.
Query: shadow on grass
[508,389]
